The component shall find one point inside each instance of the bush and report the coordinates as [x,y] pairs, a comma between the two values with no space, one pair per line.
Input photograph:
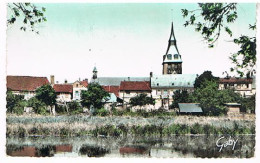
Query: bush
[19,107]
[101,112]
[60,109]
[38,106]
[74,107]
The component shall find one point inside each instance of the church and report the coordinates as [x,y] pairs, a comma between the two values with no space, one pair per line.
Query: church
[163,86]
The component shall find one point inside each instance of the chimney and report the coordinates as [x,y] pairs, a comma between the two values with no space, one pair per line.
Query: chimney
[52,79]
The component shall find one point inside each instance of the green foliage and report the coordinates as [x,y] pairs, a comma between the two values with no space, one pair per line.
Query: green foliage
[38,106]
[60,109]
[206,75]
[102,112]
[141,99]
[247,52]
[14,102]
[31,15]
[213,100]
[95,95]
[248,104]
[19,107]
[46,94]
[180,96]
[216,16]
[74,107]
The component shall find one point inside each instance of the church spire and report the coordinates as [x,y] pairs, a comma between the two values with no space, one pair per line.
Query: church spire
[172,59]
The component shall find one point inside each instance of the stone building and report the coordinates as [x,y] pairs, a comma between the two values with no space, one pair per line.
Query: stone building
[64,92]
[129,89]
[79,86]
[164,86]
[246,87]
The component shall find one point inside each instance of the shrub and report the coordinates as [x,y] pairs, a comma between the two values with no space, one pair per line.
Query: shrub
[102,112]
[38,106]
[74,107]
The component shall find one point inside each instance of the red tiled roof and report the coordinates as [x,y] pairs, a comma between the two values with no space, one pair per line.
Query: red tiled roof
[84,83]
[25,83]
[64,88]
[135,86]
[112,89]
[235,80]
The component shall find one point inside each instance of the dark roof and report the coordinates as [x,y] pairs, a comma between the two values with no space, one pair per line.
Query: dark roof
[234,80]
[63,88]
[190,108]
[25,83]
[112,89]
[135,86]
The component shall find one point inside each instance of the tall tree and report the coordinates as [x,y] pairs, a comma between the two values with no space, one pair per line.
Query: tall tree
[215,17]
[206,75]
[28,13]
[46,94]
[94,96]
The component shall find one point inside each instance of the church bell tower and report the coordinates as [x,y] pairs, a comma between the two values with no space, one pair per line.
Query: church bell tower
[172,62]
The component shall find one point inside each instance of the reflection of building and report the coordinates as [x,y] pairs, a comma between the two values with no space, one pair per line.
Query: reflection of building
[243,86]
[164,86]
[25,85]
[79,86]
[129,89]
[63,92]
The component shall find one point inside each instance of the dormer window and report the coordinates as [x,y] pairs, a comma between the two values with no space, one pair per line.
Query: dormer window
[169,57]
[176,56]
[172,83]
[157,84]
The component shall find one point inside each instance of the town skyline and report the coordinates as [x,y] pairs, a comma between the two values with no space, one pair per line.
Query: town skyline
[119,39]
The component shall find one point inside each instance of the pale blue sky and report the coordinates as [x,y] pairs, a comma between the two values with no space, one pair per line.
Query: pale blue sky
[120,39]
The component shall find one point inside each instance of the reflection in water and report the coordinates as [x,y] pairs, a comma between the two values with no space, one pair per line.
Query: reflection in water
[92,151]
[176,146]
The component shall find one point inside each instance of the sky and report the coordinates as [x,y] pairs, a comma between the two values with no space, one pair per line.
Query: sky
[119,39]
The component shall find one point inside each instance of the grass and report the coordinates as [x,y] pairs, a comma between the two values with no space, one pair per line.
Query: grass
[124,130]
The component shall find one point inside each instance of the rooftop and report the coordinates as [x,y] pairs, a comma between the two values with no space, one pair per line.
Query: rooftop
[135,86]
[115,81]
[63,88]
[25,83]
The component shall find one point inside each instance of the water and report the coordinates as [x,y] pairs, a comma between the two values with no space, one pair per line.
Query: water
[176,146]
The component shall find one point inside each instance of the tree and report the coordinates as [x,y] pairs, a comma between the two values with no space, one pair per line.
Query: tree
[213,100]
[14,103]
[38,106]
[94,96]
[141,99]
[28,13]
[46,94]
[180,96]
[215,17]
[206,75]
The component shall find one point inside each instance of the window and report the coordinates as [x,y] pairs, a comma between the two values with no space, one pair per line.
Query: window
[188,83]
[77,85]
[169,56]
[77,94]
[127,92]
[172,83]
[165,92]
[176,56]
[247,85]
[157,84]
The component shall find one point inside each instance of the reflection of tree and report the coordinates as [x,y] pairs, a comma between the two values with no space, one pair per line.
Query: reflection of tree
[46,151]
[92,151]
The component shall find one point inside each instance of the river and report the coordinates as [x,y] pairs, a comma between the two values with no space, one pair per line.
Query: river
[186,146]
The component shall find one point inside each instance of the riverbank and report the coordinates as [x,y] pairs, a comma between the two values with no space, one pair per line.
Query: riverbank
[80,125]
